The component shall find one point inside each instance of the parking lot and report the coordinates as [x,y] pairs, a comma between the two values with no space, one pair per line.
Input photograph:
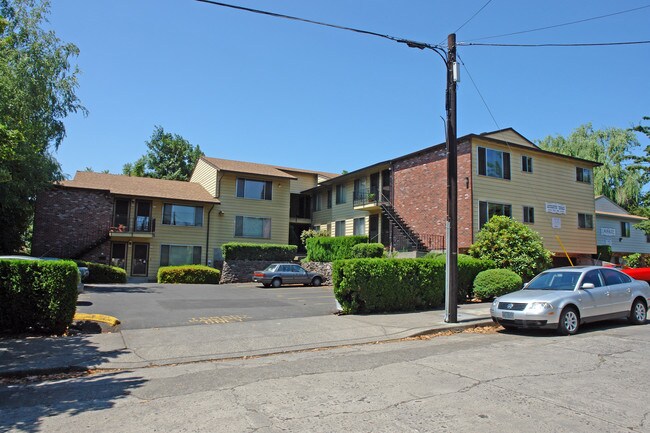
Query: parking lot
[152,305]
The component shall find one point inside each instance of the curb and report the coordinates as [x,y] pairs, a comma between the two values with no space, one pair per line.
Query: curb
[96,318]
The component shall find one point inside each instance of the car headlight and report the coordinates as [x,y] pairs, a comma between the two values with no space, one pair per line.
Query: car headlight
[495,302]
[538,307]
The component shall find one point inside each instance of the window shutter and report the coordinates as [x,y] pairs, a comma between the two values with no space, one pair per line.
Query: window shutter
[239,226]
[506,165]
[268,190]
[196,256]
[481,161]
[240,187]
[578,174]
[198,216]
[482,213]
[164,255]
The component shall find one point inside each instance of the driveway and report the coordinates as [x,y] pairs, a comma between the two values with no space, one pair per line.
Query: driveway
[151,305]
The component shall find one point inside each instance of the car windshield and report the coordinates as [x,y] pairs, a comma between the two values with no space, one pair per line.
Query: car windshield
[555,280]
[270,268]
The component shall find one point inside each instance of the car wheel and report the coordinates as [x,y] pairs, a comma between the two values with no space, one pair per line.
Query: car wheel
[569,322]
[317,281]
[276,282]
[638,312]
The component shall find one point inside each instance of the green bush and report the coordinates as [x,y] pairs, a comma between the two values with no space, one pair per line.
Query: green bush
[468,268]
[37,296]
[512,245]
[249,251]
[633,260]
[380,285]
[328,249]
[188,274]
[103,274]
[496,282]
[363,251]
[311,233]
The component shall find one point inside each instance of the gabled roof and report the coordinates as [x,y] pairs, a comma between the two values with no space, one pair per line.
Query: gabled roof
[140,186]
[606,207]
[511,136]
[260,169]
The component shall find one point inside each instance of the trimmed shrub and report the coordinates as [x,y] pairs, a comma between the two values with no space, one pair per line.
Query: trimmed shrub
[37,296]
[468,268]
[362,251]
[103,274]
[496,282]
[188,274]
[380,285]
[512,245]
[328,249]
[250,251]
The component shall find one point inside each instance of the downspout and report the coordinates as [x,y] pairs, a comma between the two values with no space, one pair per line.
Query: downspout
[207,237]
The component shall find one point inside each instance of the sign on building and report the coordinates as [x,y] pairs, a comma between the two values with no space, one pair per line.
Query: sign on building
[556,208]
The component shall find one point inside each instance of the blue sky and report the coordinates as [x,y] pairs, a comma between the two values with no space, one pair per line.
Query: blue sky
[261,89]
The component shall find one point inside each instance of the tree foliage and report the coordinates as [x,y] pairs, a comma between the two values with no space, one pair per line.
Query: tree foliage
[511,245]
[617,178]
[37,91]
[169,156]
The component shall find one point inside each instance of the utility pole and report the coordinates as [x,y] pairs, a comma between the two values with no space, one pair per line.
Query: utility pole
[451,281]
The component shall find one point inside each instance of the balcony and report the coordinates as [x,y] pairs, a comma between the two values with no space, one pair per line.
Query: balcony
[367,199]
[145,227]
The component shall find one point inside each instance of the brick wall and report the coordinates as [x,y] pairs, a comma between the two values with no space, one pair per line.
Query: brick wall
[68,219]
[420,192]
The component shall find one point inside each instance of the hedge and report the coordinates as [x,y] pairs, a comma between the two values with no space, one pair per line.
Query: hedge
[496,282]
[103,274]
[361,251]
[328,249]
[188,274]
[250,251]
[37,296]
[468,269]
[381,285]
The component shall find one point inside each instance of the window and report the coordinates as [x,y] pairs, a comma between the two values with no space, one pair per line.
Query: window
[583,175]
[585,221]
[118,255]
[329,199]
[625,229]
[488,210]
[121,214]
[359,189]
[594,278]
[178,215]
[255,189]
[176,255]
[526,164]
[339,229]
[340,194]
[529,215]
[252,227]
[142,220]
[359,226]
[613,277]
[493,163]
[317,202]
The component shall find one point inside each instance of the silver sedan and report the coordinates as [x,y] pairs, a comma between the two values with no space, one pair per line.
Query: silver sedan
[565,298]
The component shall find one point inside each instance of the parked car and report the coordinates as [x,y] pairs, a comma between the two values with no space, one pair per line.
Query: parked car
[83,271]
[565,298]
[642,274]
[278,274]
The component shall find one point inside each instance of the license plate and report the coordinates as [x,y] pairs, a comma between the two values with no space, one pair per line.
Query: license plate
[508,315]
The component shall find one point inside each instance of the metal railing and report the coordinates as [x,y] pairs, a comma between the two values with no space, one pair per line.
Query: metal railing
[362,197]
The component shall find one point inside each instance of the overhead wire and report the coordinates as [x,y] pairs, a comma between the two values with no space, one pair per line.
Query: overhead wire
[469,19]
[594,44]
[478,91]
[560,25]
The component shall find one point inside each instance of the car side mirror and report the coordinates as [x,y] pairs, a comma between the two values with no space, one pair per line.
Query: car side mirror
[526,285]
[587,286]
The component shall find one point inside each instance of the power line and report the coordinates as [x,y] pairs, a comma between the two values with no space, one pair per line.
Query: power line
[410,43]
[479,92]
[595,44]
[561,25]
[472,17]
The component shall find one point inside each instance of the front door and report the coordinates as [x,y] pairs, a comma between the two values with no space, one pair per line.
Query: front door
[118,254]
[140,260]
[373,228]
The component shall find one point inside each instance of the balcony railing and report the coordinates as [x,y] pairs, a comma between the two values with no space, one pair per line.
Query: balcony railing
[362,197]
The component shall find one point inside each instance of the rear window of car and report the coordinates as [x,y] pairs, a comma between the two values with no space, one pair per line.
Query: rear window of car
[271,268]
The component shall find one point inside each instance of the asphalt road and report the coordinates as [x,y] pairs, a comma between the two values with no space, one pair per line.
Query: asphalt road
[538,382]
[140,306]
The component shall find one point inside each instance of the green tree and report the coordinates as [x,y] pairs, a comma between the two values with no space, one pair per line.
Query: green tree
[511,245]
[169,156]
[37,91]
[616,178]
[642,163]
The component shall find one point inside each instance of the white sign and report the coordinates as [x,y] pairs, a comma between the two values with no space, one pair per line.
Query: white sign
[556,223]
[556,208]
[607,231]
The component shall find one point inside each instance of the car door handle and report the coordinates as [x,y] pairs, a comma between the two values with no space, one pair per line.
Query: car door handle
[629,290]
[607,293]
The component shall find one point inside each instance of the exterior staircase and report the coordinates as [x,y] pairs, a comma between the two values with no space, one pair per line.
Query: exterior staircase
[404,237]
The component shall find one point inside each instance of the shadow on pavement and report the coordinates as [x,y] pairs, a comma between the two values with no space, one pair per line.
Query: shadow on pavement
[586,328]
[119,289]
[34,383]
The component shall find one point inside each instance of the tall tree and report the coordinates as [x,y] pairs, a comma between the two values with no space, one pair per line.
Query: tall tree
[169,156]
[616,178]
[37,91]
[642,163]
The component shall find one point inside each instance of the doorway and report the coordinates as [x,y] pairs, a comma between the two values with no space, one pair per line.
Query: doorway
[140,260]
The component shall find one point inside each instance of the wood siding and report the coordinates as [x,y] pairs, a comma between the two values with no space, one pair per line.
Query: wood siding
[553,180]
[303,182]
[510,137]
[636,243]
[205,175]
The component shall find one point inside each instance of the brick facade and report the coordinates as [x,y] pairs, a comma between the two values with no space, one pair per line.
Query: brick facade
[420,192]
[68,220]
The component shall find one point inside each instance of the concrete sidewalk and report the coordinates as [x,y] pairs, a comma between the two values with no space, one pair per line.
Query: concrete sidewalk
[129,349]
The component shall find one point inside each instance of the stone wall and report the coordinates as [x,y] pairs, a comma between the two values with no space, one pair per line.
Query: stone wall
[68,219]
[420,192]
[241,271]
